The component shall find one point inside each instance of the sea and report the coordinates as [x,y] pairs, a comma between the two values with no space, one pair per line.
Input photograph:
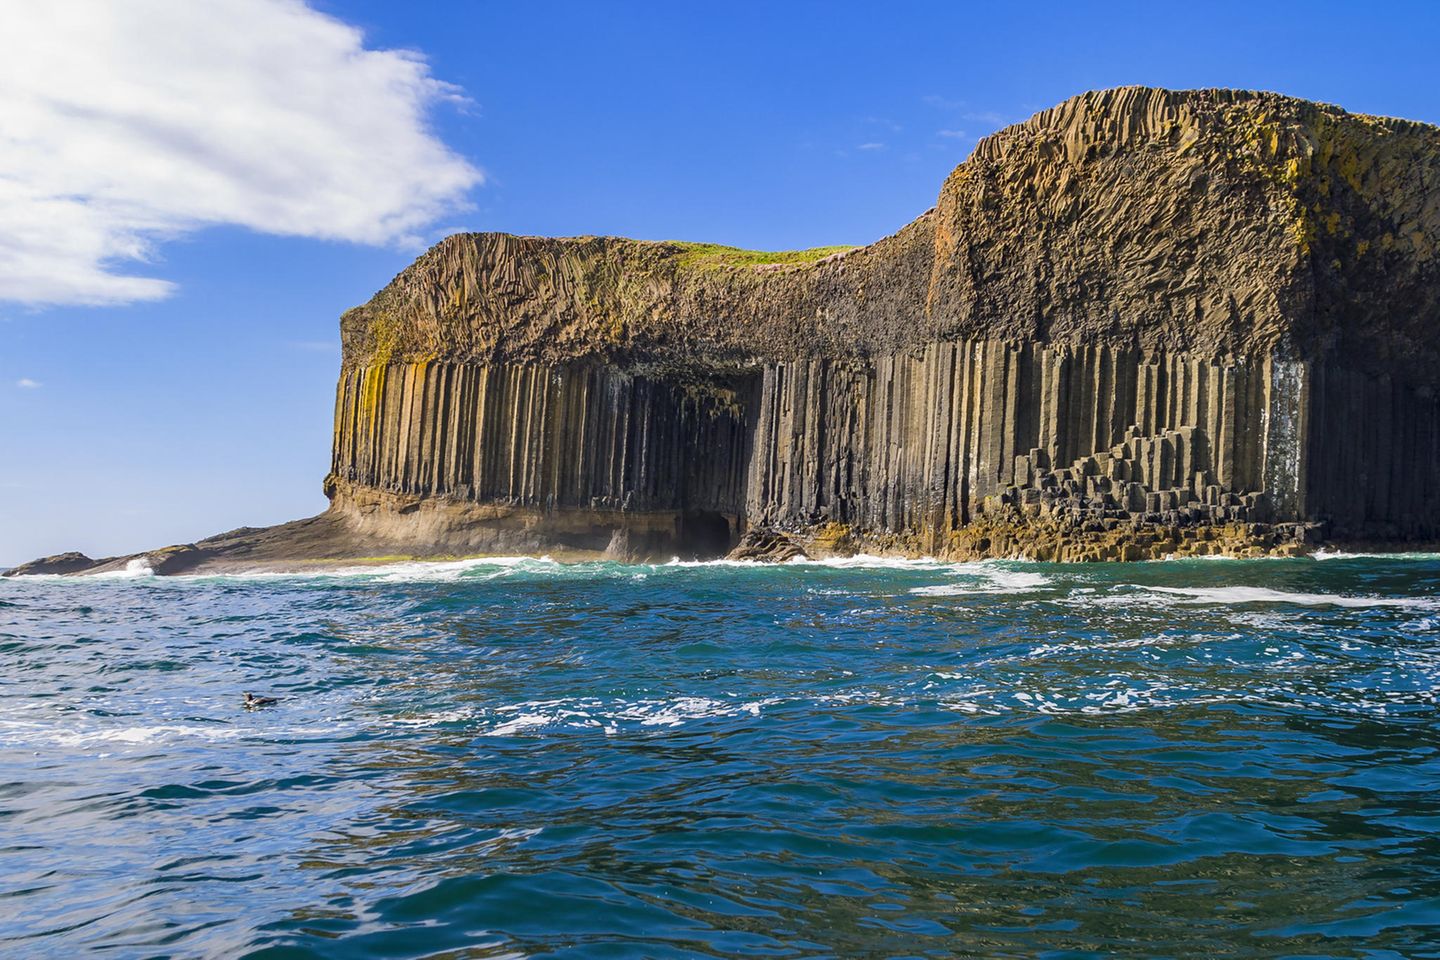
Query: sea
[852,758]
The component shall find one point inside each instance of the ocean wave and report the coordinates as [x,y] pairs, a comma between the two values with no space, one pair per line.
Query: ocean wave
[1236,595]
[403,571]
[593,713]
[945,691]
[472,568]
[988,580]
[139,567]
[1329,554]
[578,715]
[67,734]
[870,561]
[677,563]
[480,568]
[38,733]
[421,570]
[859,561]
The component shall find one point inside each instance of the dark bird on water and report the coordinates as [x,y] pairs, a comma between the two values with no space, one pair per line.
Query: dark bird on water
[252,701]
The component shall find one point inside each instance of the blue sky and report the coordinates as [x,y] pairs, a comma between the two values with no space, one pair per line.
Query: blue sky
[206,404]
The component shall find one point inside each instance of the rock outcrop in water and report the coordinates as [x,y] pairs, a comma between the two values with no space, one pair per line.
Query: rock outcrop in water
[1143,322]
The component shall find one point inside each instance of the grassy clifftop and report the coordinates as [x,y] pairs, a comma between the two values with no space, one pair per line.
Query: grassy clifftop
[717,255]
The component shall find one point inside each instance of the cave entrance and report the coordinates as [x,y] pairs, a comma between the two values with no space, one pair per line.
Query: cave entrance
[704,535]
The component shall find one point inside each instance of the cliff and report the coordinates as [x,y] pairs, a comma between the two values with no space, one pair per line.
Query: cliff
[1141,322]
[1213,222]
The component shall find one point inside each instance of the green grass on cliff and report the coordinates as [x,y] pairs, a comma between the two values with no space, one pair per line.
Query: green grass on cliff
[716,255]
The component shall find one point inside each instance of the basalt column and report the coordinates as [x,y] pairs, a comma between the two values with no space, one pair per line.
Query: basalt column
[917,442]
[1373,455]
[546,439]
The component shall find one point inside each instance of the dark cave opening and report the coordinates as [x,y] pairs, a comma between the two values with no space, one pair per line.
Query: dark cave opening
[705,535]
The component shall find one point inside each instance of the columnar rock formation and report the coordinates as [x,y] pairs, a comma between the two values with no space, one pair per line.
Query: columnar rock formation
[1141,322]
[907,448]
[1140,308]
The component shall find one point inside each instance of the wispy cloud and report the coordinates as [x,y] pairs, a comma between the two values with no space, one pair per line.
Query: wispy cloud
[942,103]
[963,110]
[129,124]
[884,122]
[952,134]
[871,146]
[25,383]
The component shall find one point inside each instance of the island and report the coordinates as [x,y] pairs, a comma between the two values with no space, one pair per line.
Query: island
[1142,323]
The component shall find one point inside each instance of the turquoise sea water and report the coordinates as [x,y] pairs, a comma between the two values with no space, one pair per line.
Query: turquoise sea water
[860,759]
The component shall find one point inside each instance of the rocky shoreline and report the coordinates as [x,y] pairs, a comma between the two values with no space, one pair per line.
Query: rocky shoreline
[1011,535]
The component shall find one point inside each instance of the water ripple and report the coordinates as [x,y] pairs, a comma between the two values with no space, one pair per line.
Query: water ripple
[863,758]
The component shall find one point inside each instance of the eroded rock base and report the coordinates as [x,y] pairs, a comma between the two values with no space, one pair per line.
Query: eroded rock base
[1061,540]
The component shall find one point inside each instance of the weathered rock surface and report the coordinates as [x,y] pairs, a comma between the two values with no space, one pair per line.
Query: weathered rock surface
[760,544]
[61,563]
[1209,222]
[1140,323]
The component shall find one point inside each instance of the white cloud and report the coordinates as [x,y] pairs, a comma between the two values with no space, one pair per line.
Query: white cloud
[128,123]
[871,146]
[952,134]
[25,383]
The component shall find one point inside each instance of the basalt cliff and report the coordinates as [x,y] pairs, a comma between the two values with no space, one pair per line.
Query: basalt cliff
[1141,323]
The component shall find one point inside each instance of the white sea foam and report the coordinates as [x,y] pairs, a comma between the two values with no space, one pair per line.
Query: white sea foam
[42,734]
[458,569]
[1329,554]
[404,571]
[139,567]
[869,561]
[970,692]
[722,562]
[441,570]
[152,733]
[527,721]
[34,726]
[484,568]
[1234,595]
[985,579]
[1088,645]
[434,719]
[581,713]
[859,561]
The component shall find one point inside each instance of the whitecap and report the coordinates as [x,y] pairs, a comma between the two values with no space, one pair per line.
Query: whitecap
[139,567]
[404,571]
[456,569]
[869,561]
[722,562]
[581,713]
[525,721]
[1234,595]
[986,579]
[1327,553]
[49,734]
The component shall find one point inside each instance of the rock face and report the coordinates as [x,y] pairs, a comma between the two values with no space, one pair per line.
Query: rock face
[61,563]
[1182,309]
[1142,322]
